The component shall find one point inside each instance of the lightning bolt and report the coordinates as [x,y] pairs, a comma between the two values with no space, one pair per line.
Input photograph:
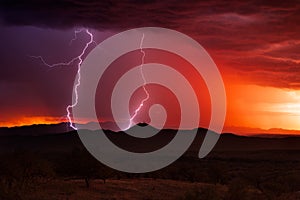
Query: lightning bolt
[80,60]
[137,110]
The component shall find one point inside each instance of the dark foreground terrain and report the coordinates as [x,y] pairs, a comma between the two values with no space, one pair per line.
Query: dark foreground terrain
[38,164]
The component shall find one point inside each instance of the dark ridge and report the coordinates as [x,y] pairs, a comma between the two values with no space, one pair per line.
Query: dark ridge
[142,124]
[65,142]
[35,130]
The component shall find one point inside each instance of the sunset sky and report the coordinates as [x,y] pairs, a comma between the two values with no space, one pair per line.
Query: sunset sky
[255,44]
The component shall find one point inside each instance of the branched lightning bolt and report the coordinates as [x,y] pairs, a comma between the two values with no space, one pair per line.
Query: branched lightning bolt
[144,88]
[80,60]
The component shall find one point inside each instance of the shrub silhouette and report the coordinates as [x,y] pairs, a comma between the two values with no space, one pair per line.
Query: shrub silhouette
[237,190]
[80,164]
[20,172]
[204,193]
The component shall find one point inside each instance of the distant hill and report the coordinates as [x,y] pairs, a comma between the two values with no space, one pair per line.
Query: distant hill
[35,130]
[47,138]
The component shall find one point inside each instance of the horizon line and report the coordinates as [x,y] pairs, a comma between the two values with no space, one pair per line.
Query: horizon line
[251,132]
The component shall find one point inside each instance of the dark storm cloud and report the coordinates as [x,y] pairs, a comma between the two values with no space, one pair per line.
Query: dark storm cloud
[126,14]
[260,36]
[250,22]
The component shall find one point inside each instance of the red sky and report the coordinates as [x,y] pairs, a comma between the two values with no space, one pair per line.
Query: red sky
[255,45]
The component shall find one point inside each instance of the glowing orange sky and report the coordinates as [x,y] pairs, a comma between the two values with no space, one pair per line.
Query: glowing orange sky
[262,107]
[250,108]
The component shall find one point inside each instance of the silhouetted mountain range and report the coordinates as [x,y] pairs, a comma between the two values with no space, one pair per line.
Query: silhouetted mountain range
[59,137]
[35,130]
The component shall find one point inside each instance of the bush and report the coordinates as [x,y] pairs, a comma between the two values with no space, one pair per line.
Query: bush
[80,164]
[237,190]
[205,193]
[21,172]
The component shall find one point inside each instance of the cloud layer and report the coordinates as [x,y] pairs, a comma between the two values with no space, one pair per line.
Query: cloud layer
[260,37]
